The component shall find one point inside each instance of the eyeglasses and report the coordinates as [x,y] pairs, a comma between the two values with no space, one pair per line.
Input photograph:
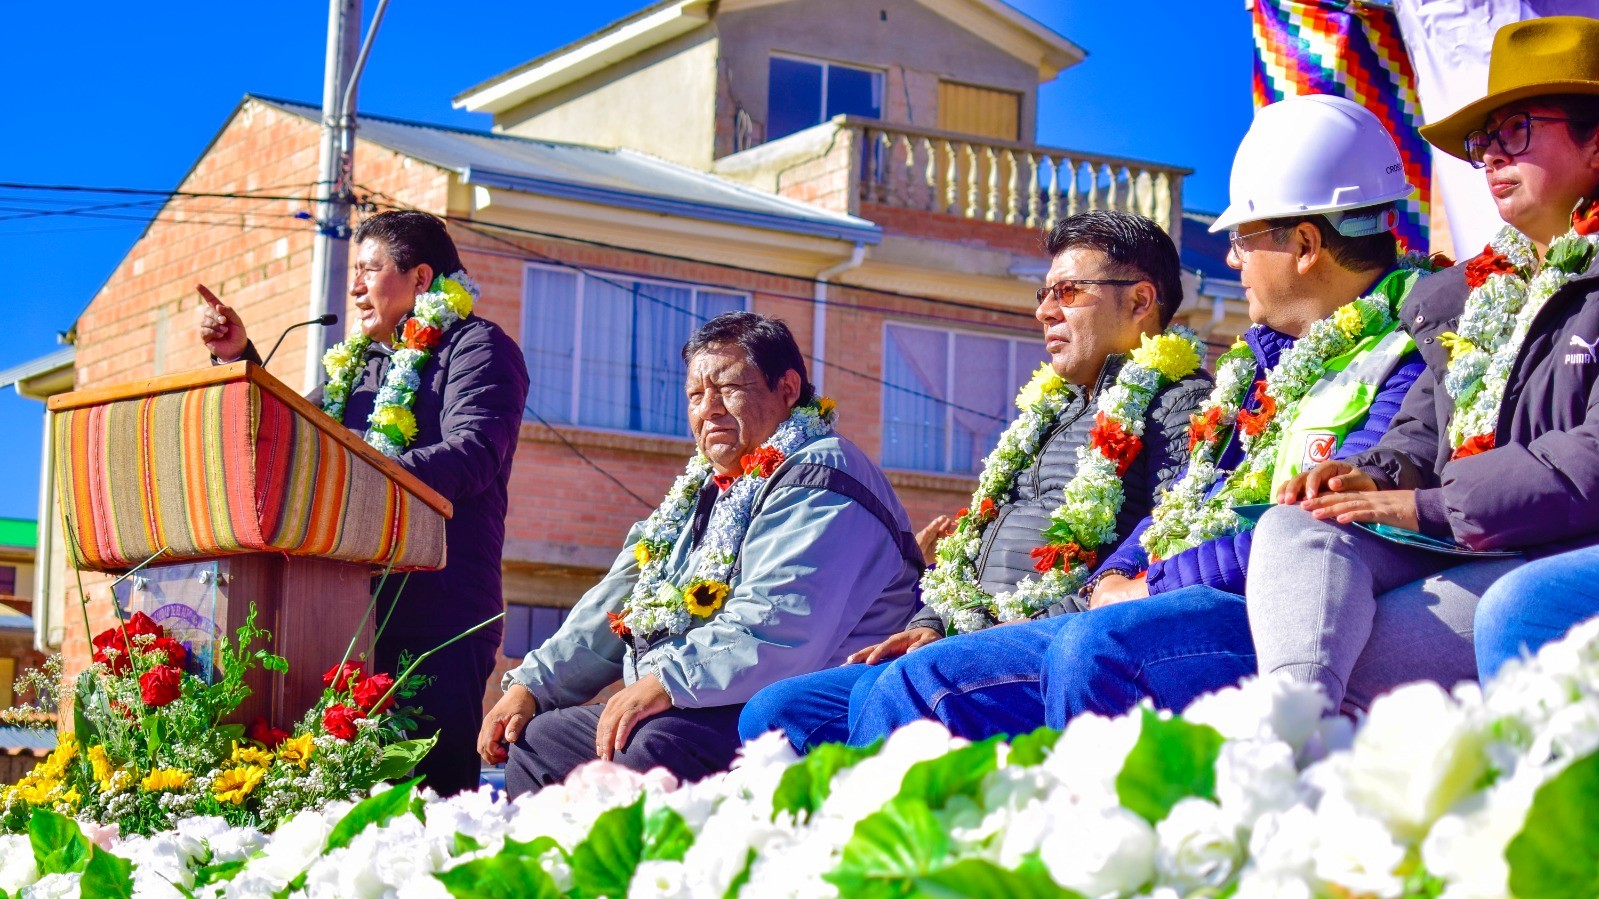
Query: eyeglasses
[1237,240]
[1513,135]
[1066,292]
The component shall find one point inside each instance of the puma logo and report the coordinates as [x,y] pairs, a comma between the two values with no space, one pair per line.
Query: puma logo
[1590,351]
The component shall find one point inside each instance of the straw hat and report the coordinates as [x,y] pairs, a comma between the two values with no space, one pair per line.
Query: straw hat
[1535,58]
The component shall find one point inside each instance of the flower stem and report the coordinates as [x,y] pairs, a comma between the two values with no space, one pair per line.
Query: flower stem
[424,657]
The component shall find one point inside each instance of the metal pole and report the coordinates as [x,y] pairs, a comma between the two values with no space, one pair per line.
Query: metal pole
[330,253]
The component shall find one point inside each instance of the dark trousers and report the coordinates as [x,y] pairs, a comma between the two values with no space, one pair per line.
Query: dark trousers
[454,701]
[690,743]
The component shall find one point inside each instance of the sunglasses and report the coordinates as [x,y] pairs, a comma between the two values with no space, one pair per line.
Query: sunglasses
[1513,135]
[1067,292]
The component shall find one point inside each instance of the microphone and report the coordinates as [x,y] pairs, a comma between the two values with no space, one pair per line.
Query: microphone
[327,318]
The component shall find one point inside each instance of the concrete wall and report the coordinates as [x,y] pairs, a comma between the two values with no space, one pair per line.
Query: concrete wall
[662,102]
[914,46]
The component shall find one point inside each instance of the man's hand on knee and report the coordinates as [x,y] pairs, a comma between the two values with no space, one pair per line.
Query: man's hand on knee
[644,698]
[504,723]
[1328,477]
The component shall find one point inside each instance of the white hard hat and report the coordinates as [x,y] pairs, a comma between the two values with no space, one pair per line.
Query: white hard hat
[1316,154]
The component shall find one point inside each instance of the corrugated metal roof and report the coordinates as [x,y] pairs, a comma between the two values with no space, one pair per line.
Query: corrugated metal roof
[622,177]
[13,620]
[26,738]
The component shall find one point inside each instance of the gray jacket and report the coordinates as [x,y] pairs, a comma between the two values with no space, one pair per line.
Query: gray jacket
[1005,554]
[819,576]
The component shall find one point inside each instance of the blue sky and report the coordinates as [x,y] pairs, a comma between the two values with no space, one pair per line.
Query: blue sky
[119,94]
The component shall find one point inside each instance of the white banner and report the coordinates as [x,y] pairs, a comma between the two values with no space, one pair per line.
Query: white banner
[1448,41]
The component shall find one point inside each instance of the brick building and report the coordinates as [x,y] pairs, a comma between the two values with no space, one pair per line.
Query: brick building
[866,174]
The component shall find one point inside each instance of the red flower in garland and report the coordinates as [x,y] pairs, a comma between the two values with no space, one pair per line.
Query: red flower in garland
[1204,428]
[339,720]
[1481,443]
[370,690]
[985,511]
[619,625]
[1586,219]
[419,335]
[112,652]
[260,731]
[763,461]
[160,685]
[1063,555]
[342,677]
[1113,441]
[1252,423]
[1485,265]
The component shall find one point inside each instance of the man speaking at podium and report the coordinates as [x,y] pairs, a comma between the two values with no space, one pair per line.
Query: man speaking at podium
[440,391]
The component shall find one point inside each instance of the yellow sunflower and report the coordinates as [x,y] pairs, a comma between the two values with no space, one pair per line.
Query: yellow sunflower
[703,598]
[641,552]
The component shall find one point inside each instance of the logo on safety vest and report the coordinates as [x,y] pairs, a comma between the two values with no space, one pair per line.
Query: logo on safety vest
[1320,446]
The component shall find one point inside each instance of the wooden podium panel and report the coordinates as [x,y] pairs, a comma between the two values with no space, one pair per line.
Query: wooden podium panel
[252,495]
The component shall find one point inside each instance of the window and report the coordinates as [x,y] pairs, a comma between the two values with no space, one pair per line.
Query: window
[802,93]
[948,395]
[527,627]
[606,351]
[8,580]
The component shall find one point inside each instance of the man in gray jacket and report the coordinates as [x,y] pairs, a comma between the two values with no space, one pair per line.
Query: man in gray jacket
[781,551]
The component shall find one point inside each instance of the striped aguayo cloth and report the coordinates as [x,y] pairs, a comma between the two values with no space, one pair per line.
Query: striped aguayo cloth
[227,469]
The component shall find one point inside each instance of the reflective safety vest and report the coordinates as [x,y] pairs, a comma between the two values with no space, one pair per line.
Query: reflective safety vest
[1338,402]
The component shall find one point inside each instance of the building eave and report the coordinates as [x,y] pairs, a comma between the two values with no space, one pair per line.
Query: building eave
[44,377]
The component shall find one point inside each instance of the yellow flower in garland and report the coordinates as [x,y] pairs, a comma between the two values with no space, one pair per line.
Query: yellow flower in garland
[104,771]
[236,784]
[1171,355]
[399,418]
[641,553]
[251,755]
[297,750]
[1043,381]
[825,406]
[1458,346]
[455,296]
[338,359]
[163,779]
[1349,322]
[703,598]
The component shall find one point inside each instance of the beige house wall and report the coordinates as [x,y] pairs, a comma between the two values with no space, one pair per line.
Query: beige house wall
[662,102]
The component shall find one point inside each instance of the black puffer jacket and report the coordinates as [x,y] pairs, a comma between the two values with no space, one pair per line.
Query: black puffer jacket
[1006,554]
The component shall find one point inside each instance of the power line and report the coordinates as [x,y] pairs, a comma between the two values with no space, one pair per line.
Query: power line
[76,188]
[591,463]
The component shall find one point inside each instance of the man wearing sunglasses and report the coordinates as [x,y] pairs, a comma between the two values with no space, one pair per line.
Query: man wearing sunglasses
[1310,221]
[1498,446]
[1113,280]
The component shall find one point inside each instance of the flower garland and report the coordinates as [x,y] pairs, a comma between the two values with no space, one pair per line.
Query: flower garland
[1086,518]
[658,606]
[1185,518]
[449,299]
[1505,297]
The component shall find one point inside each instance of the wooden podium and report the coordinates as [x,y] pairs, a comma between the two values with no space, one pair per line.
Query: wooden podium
[257,496]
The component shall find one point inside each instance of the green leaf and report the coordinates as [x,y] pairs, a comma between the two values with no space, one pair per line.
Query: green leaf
[464,844]
[666,836]
[87,695]
[1556,854]
[374,810]
[976,878]
[1171,761]
[1030,749]
[107,877]
[1570,255]
[272,662]
[742,878]
[219,872]
[512,873]
[807,783]
[399,758]
[889,850]
[603,864]
[59,847]
[958,773]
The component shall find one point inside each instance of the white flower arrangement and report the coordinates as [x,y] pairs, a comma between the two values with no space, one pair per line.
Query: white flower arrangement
[1086,517]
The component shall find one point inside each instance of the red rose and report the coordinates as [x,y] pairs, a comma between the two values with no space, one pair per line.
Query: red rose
[370,690]
[1484,265]
[339,720]
[1252,423]
[1481,443]
[419,335]
[1114,443]
[160,685]
[141,625]
[762,462]
[260,731]
[1586,219]
[177,656]
[1204,428]
[342,676]
[113,653]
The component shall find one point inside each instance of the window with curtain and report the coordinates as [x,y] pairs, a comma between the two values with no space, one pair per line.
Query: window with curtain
[803,92]
[605,351]
[947,394]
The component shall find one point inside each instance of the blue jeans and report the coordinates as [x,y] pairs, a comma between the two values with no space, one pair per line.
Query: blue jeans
[977,685]
[1171,648]
[810,709]
[1535,604]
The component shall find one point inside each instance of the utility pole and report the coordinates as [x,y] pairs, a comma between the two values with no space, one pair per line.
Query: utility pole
[330,253]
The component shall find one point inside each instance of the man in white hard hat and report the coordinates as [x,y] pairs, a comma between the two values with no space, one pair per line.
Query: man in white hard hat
[1320,375]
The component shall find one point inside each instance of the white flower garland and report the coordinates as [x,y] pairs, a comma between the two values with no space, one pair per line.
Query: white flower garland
[1184,518]
[1086,517]
[450,299]
[659,606]
[1497,316]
